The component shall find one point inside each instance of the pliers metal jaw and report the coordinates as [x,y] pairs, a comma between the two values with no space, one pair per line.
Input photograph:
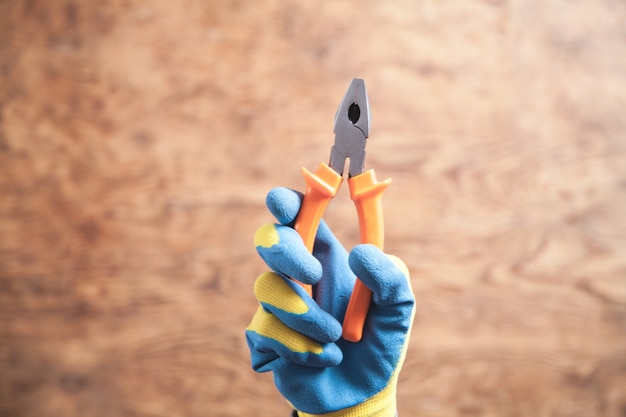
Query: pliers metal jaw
[352,128]
[352,125]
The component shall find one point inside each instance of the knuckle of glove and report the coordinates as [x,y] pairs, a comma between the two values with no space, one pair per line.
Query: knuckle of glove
[399,263]
[266,333]
[266,236]
[273,290]
[283,251]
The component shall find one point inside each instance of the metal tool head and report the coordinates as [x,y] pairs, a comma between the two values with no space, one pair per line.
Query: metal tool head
[352,127]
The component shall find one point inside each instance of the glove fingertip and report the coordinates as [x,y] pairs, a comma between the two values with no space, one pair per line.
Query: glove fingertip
[334,355]
[334,332]
[311,272]
[298,263]
[330,356]
[388,280]
[367,259]
[284,204]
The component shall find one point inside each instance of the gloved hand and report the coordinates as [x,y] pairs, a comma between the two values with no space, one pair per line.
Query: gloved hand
[298,339]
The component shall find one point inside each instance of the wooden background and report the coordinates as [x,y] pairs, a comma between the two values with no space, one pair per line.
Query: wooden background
[138,140]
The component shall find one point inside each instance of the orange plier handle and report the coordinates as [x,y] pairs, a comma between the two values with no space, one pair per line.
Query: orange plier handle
[321,187]
[366,192]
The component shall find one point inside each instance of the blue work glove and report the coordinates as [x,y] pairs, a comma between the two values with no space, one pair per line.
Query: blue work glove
[299,339]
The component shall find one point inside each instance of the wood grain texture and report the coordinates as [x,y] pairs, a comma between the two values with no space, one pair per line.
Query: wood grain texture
[138,140]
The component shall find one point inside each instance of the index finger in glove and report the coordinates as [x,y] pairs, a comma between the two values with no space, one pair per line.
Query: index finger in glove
[284,204]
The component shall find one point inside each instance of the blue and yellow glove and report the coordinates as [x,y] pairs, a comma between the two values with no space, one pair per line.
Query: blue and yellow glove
[299,339]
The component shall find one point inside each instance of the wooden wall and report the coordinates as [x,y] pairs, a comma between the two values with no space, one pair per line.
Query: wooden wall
[138,140]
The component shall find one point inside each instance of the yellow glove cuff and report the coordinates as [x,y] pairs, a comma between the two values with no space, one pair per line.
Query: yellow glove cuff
[382,404]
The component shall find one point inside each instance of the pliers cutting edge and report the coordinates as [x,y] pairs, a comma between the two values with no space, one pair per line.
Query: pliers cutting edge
[352,125]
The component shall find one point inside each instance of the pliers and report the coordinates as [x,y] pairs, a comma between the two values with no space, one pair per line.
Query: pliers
[352,125]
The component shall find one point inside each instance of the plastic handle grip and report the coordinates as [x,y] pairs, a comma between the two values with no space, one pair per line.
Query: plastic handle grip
[321,187]
[366,192]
